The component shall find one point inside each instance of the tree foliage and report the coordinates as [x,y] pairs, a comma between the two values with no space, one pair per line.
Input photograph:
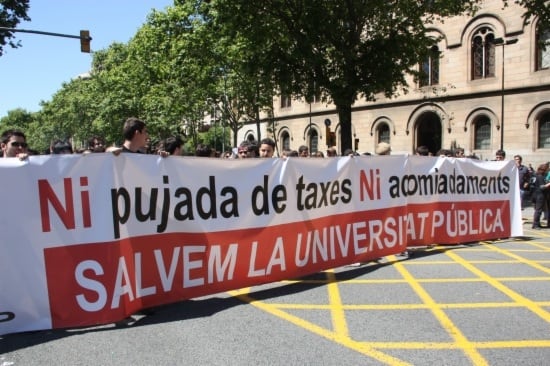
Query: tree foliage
[535,9]
[234,56]
[345,50]
[11,14]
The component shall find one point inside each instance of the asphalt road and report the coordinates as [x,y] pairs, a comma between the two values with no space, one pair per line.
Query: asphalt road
[481,304]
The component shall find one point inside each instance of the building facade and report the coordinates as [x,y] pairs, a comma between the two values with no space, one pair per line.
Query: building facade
[486,87]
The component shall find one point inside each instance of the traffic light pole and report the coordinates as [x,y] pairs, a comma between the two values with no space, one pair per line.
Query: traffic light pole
[84,36]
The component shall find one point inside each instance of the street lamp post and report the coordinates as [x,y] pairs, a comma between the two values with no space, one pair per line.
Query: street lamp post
[501,42]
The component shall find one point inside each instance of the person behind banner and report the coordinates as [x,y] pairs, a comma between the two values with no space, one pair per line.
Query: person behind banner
[383,148]
[135,136]
[14,144]
[540,194]
[332,152]
[303,151]
[267,148]
[500,155]
[248,149]
[96,144]
[204,151]
[171,146]
[523,178]
[58,147]
[422,150]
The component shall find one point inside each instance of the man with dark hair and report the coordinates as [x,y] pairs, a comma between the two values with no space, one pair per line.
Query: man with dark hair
[14,144]
[172,145]
[267,148]
[204,151]
[331,151]
[523,178]
[96,144]
[303,151]
[248,149]
[422,150]
[500,155]
[61,147]
[135,135]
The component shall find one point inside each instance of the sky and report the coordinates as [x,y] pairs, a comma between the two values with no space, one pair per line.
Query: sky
[34,72]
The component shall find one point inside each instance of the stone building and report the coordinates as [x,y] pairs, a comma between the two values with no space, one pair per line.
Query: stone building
[489,89]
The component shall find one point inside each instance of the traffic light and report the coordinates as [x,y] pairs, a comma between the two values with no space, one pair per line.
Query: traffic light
[85,41]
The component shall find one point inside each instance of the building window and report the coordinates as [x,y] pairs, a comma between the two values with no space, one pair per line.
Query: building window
[383,132]
[313,141]
[483,54]
[285,141]
[544,131]
[543,49]
[482,133]
[285,101]
[429,69]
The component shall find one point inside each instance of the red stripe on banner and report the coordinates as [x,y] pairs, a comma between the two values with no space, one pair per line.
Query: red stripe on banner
[105,282]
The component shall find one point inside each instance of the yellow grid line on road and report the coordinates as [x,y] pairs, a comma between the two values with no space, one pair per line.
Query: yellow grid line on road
[519,259]
[454,332]
[361,347]
[473,305]
[340,333]
[535,343]
[422,280]
[528,303]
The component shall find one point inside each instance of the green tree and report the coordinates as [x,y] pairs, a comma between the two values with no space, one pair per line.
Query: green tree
[535,9]
[11,14]
[347,50]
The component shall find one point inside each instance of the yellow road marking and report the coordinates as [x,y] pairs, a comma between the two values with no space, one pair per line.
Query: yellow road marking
[520,259]
[361,347]
[473,305]
[340,332]
[463,343]
[529,304]
[337,313]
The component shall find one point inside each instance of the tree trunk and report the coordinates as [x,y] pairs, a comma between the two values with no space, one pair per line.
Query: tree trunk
[344,114]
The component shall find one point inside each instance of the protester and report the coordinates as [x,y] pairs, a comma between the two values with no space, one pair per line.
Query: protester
[204,151]
[500,155]
[383,148]
[171,145]
[422,150]
[61,147]
[135,137]
[96,144]
[523,178]
[540,194]
[331,152]
[267,148]
[14,144]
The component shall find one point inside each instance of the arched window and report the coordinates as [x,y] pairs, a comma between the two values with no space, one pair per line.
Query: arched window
[429,69]
[383,133]
[285,141]
[543,49]
[313,141]
[483,54]
[544,131]
[482,133]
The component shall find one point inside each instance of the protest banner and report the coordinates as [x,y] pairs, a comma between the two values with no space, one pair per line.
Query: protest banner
[91,239]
